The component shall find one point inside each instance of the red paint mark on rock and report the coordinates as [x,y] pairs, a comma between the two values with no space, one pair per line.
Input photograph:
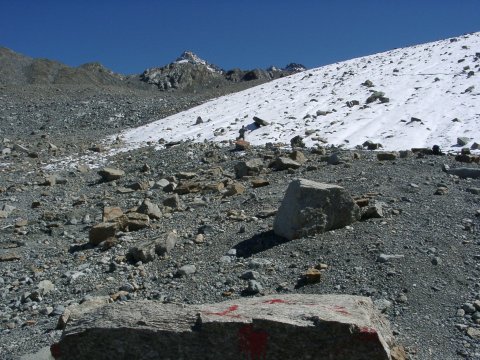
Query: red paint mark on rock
[368,330]
[277,301]
[341,310]
[226,313]
[55,350]
[253,343]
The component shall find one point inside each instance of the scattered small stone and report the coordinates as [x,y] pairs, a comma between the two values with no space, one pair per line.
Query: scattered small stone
[248,168]
[199,239]
[129,288]
[45,286]
[173,202]
[473,190]
[383,258]
[256,183]
[441,190]
[250,275]
[47,310]
[383,305]
[234,189]
[186,270]
[102,232]
[469,308]
[58,310]
[242,145]
[373,211]
[386,156]
[150,209]
[284,163]
[253,288]
[120,295]
[462,141]
[334,159]
[111,213]
[9,257]
[312,276]
[298,156]
[474,333]
[266,213]
[110,174]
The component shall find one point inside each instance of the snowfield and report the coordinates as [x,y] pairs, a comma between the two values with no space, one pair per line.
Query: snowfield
[436,83]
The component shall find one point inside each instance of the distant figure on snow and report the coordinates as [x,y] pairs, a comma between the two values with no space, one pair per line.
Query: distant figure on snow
[242,132]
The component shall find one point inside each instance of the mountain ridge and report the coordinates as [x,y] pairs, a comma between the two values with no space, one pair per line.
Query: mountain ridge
[187,71]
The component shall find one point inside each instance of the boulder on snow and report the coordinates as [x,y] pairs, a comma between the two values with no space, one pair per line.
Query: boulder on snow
[310,207]
[336,327]
[370,145]
[463,140]
[323,112]
[297,142]
[260,122]
[376,95]
[368,83]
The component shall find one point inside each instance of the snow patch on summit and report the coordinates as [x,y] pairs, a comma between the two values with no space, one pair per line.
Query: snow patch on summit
[190,57]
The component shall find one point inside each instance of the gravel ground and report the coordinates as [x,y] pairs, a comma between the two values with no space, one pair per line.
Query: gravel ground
[428,291]
[73,116]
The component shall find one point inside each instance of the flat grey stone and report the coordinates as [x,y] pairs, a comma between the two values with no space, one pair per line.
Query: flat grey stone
[336,327]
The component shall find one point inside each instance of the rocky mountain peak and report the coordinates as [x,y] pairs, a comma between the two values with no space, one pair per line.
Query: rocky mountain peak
[191,57]
[291,68]
[294,67]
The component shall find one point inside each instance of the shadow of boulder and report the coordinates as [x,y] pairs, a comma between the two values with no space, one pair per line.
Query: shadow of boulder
[258,243]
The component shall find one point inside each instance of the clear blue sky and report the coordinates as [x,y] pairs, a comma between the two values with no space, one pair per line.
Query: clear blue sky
[128,36]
